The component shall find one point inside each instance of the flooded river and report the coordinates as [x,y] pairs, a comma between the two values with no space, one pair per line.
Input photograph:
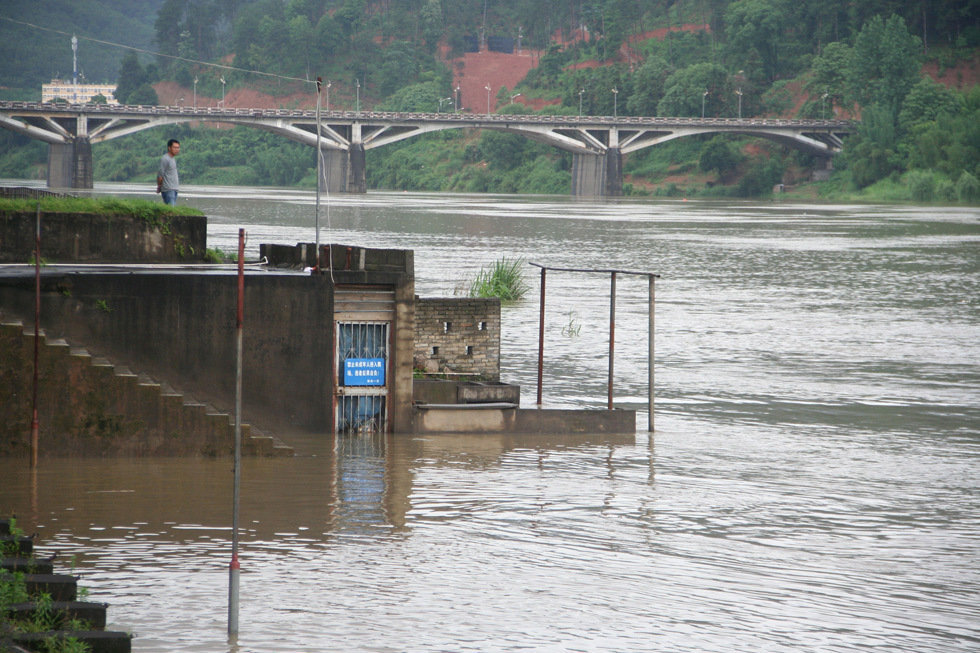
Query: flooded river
[812,483]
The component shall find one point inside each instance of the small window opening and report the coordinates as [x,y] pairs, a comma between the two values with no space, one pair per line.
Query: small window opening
[482,326]
[469,350]
[435,351]
[446,326]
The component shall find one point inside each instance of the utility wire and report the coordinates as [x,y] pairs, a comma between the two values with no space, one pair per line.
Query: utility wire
[156,54]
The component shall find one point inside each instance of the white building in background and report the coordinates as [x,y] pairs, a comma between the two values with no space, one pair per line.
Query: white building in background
[76,94]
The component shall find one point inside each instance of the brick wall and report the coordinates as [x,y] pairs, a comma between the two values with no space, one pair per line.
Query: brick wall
[458,335]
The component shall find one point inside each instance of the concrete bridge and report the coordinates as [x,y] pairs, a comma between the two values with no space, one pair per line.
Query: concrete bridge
[597,143]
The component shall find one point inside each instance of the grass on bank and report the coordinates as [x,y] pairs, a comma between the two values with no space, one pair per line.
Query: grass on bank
[504,279]
[139,208]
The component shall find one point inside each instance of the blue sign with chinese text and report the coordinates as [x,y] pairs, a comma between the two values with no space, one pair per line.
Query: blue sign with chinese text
[364,371]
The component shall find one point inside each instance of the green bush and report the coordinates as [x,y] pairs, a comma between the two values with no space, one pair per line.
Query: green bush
[503,279]
[967,187]
[922,185]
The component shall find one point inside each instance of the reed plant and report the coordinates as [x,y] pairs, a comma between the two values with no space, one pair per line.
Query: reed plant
[504,279]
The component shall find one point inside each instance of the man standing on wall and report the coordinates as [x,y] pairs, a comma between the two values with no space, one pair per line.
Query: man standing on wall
[167,182]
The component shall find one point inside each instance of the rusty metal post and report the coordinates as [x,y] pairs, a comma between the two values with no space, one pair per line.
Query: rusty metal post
[37,334]
[650,347]
[234,569]
[612,335]
[541,337]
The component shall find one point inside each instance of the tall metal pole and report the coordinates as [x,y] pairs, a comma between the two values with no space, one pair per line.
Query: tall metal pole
[650,357]
[74,69]
[612,336]
[235,568]
[319,155]
[37,333]
[541,337]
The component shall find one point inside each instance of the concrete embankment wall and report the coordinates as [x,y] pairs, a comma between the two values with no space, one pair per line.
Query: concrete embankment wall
[91,238]
[181,327]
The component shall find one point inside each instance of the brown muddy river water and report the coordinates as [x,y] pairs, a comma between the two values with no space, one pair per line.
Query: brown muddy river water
[812,484]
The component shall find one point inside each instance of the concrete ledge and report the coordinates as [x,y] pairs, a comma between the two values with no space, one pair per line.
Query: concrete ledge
[507,418]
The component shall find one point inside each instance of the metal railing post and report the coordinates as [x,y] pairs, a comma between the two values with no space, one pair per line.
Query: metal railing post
[612,337]
[541,337]
[650,347]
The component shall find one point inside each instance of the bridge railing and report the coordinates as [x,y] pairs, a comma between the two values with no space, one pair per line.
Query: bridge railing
[465,117]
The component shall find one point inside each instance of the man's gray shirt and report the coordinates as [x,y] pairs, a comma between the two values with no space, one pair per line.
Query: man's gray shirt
[168,170]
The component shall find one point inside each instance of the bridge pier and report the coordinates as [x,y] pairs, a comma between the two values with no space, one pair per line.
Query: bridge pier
[821,171]
[598,175]
[344,172]
[357,169]
[70,164]
[333,173]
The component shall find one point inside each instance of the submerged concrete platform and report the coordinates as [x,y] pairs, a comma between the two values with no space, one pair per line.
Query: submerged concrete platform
[510,418]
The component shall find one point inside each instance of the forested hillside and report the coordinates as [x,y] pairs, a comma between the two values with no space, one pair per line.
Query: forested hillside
[814,58]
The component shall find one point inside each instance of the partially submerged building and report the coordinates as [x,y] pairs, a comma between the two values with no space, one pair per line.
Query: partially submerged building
[339,345]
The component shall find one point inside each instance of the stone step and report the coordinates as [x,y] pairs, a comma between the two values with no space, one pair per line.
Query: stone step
[32,565]
[98,641]
[19,545]
[93,614]
[60,587]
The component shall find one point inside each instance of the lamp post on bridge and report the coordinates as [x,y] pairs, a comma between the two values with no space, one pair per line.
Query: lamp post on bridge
[328,85]
[580,102]
[358,92]
[487,87]
[515,95]
[195,92]
[823,110]
[456,105]
[703,97]
[443,101]
[615,93]
[222,91]
[739,94]
[74,69]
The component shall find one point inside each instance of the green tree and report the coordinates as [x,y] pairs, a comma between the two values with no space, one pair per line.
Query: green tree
[756,31]
[926,101]
[144,94]
[719,155]
[684,92]
[648,86]
[168,26]
[398,67]
[131,77]
[328,37]
[829,70]
[885,62]
[871,153]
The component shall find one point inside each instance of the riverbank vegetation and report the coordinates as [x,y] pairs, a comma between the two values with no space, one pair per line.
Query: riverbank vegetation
[503,279]
[918,140]
[145,209]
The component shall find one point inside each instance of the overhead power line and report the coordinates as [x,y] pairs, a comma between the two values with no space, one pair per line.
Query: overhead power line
[157,54]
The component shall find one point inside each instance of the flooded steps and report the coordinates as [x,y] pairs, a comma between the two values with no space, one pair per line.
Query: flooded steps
[97,407]
[52,614]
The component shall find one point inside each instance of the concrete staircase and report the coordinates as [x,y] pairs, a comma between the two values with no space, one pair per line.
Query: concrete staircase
[90,406]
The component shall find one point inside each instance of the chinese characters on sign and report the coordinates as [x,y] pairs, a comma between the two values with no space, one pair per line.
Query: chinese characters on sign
[364,371]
